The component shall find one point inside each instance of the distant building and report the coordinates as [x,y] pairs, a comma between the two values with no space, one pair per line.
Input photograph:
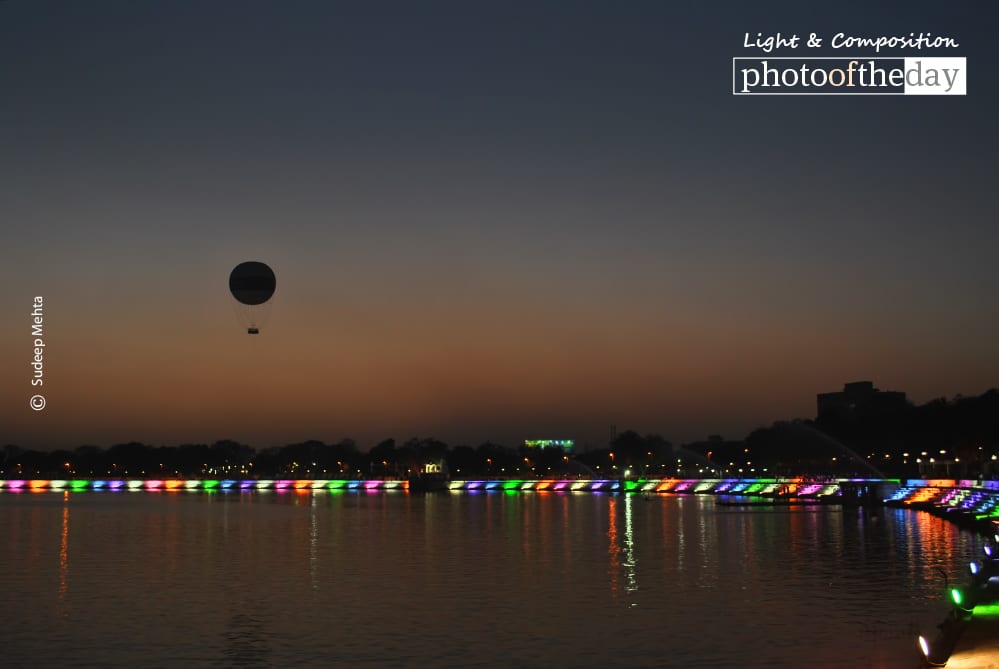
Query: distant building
[566,445]
[859,397]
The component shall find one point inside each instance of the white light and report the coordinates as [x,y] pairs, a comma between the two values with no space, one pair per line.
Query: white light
[924,646]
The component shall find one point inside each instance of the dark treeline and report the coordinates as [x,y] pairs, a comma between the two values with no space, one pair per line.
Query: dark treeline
[942,438]
[316,459]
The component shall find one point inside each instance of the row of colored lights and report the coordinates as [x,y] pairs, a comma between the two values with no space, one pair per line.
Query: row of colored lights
[796,487]
[302,485]
[197,485]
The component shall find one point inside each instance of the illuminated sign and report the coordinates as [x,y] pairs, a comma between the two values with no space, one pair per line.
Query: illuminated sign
[565,445]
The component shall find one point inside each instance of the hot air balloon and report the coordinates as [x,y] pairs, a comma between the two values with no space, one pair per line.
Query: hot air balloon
[252,285]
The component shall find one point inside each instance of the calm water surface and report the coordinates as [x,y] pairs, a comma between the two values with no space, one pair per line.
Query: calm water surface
[470,580]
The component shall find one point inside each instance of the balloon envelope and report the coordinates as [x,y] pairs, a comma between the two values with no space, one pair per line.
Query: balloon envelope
[252,282]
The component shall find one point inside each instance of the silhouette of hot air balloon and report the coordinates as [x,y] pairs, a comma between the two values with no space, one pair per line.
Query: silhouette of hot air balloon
[252,285]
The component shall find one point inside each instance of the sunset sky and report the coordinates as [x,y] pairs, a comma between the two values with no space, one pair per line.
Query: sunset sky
[488,220]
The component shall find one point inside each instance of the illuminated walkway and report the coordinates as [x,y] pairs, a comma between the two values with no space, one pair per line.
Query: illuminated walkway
[961,501]
[790,487]
[964,502]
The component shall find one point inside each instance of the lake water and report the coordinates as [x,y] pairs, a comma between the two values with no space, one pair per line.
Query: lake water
[465,580]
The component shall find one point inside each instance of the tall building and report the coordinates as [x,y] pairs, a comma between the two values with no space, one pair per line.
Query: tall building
[859,397]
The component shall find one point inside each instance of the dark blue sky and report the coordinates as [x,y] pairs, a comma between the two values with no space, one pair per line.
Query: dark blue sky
[488,220]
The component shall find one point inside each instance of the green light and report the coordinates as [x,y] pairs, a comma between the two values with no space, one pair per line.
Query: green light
[79,485]
[210,484]
[987,610]
[512,485]
[955,594]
